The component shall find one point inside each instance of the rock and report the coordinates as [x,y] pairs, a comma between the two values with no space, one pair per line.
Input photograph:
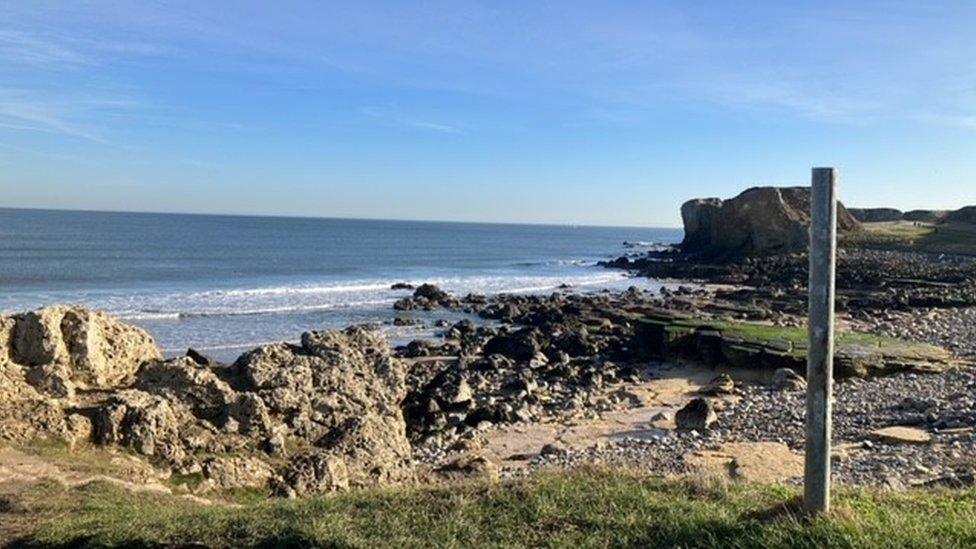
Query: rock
[752,462]
[431,292]
[79,429]
[697,415]
[53,379]
[522,345]
[459,394]
[404,304]
[341,392]
[145,423]
[552,449]
[200,358]
[237,472]
[761,220]
[64,347]
[785,379]
[698,216]
[185,380]
[470,466]
[402,286]
[902,435]
[721,385]
[575,343]
[315,472]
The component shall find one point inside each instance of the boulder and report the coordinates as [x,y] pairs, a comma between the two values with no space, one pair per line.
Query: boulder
[697,415]
[237,472]
[314,472]
[431,292]
[521,345]
[60,348]
[474,466]
[46,355]
[184,380]
[721,385]
[341,392]
[785,379]
[759,221]
[146,423]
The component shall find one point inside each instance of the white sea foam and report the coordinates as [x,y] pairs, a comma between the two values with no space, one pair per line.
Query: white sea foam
[307,297]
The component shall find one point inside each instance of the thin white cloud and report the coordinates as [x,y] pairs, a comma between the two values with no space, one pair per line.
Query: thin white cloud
[49,50]
[30,111]
[443,128]
[29,48]
[392,117]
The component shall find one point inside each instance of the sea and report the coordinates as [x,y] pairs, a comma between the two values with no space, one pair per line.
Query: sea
[223,284]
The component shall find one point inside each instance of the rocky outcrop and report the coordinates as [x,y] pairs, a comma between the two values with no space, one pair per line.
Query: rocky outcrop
[698,216]
[61,349]
[47,355]
[322,415]
[340,392]
[876,215]
[761,220]
[426,297]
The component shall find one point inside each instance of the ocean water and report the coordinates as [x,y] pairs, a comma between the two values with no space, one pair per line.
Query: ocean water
[224,284]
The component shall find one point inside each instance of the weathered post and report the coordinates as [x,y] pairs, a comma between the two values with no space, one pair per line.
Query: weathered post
[820,361]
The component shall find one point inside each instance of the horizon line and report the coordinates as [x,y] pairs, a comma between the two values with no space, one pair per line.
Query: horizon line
[343,218]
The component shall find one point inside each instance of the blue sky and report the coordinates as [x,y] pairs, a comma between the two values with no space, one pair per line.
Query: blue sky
[563,112]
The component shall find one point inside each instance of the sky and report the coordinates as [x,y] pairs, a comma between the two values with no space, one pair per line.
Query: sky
[602,112]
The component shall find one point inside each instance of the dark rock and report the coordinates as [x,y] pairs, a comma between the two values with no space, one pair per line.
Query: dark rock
[697,415]
[200,358]
[721,385]
[785,379]
[431,292]
[522,345]
[761,220]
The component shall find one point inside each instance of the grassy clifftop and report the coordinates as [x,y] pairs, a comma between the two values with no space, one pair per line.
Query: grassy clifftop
[581,509]
[958,238]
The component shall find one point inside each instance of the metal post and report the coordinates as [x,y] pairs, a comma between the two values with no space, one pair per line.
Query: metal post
[820,361]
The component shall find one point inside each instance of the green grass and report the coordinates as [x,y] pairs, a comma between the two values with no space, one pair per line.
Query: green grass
[581,509]
[951,239]
[799,338]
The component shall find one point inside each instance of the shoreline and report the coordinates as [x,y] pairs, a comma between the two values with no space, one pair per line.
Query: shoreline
[504,385]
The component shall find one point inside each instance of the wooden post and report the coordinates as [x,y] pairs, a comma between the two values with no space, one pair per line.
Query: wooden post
[820,361]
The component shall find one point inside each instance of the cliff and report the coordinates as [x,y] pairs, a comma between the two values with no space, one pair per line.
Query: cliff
[760,221]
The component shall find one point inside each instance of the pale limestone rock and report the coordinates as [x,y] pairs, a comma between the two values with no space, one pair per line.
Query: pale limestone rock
[902,435]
